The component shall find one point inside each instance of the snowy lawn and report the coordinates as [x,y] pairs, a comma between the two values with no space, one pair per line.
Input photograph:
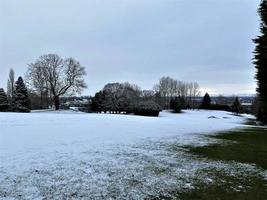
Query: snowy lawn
[72,155]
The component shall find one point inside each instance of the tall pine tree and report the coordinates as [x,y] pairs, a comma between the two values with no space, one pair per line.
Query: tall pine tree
[3,101]
[21,102]
[206,102]
[260,61]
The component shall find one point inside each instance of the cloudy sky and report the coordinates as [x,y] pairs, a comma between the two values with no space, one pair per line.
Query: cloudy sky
[137,41]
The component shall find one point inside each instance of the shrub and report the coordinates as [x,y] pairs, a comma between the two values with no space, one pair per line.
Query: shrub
[219,107]
[147,108]
[177,103]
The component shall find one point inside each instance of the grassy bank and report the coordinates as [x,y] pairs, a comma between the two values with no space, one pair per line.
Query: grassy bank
[214,184]
[247,146]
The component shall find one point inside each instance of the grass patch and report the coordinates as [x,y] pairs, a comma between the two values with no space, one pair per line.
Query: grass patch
[251,122]
[237,183]
[245,146]
[218,184]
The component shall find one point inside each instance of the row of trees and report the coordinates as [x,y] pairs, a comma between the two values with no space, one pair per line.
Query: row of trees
[168,88]
[129,98]
[16,99]
[206,103]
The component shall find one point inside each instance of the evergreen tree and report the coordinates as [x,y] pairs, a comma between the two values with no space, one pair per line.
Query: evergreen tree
[177,104]
[260,61]
[20,102]
[3,100]
[206,102]
[236,107]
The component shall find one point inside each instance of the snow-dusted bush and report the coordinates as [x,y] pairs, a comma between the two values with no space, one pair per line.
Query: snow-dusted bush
[147,108]
[116,98]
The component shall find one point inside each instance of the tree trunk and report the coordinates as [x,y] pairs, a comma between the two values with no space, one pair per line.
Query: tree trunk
[56,102]
[41,98]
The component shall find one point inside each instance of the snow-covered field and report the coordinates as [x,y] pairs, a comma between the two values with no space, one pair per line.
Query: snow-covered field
[72,155]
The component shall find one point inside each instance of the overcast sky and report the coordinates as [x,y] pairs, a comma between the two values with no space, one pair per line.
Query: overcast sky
[138,41]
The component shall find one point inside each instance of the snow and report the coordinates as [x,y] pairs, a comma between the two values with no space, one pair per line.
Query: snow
[68,154]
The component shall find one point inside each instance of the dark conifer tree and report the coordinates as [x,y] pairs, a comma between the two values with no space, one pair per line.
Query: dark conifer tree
[174,105]
[236,107]
[3,101]
[260,61]
[206,102]
[21,102]
[177,104]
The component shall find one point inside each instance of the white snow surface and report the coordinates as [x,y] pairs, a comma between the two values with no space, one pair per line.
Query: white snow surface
[73,155]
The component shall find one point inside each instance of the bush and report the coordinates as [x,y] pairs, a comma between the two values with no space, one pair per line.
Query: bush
[147,108]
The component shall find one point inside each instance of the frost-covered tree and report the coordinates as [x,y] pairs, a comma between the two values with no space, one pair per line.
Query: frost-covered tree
[58,76]
[147,108]
[260,61]
[3,100]
[206,102]
[20,101]
[117,97]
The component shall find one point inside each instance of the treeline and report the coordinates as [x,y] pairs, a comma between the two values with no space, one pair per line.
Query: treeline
[51,78]
[207,104]
[170,90]
[168,93]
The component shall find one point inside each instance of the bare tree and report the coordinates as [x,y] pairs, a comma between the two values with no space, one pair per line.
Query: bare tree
[169,88]
[35,78]
[195,93]
[10,84]
[58,76]
[165,89]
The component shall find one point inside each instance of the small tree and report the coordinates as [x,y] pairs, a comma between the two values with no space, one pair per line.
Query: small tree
[177,104]
[3,101]
[236,107]
[206,102]
[20,102]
